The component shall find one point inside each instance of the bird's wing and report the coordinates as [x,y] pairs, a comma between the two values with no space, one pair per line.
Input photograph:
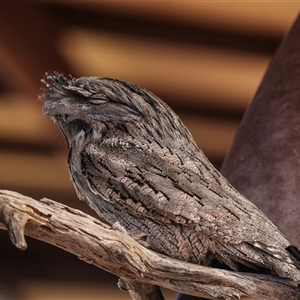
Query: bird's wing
[151,181]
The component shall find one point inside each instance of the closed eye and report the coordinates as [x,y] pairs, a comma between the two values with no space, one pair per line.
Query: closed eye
[97,101]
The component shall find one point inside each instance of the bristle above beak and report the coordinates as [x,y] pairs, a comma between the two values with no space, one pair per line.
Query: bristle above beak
[54,81]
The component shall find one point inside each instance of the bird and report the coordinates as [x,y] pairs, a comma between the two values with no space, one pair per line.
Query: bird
[138,167]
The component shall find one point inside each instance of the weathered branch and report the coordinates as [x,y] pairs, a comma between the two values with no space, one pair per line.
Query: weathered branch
[114,251]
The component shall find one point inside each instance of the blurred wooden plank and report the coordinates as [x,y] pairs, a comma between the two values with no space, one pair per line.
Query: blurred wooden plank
[197,76]
[260,18]
[164,29]
[213,135]
[28,36]
[22,121]
[30,170]
[37,290]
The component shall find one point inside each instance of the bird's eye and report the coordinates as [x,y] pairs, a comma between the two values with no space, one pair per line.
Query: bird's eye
[97,101]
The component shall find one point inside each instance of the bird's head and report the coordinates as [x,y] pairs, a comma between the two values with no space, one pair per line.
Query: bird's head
[101,106]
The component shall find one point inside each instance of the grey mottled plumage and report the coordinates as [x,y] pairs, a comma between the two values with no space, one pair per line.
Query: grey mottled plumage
[134,162]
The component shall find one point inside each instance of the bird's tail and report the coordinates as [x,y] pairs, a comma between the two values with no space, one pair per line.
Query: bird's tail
[284,262]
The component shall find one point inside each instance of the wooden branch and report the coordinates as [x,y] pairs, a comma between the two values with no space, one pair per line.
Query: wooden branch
[117,253]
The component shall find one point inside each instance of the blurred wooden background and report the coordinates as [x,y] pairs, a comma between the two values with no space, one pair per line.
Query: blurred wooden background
[205,60]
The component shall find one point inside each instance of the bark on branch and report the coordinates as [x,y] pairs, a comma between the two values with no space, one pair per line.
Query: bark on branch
[111,250]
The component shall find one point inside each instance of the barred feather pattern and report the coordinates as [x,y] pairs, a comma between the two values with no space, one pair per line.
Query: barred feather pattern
[135,163]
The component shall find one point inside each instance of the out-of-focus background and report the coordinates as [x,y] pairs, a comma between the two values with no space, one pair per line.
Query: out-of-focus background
[205,60]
